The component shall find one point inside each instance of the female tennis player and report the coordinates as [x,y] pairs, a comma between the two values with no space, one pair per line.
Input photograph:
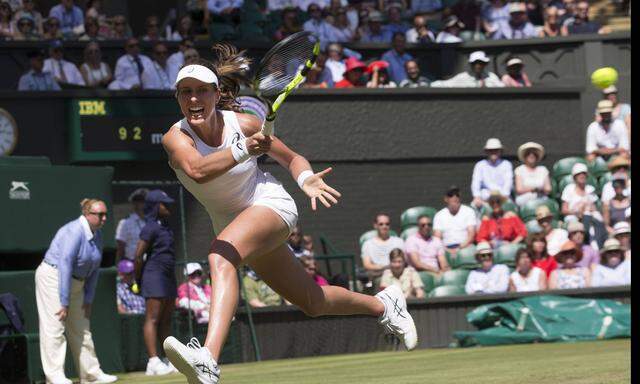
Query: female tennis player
[213,151]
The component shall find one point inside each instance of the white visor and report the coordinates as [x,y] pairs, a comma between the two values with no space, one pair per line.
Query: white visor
[198,72]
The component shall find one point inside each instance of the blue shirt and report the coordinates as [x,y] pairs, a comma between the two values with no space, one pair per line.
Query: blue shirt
[68,19]
[37,81]
[489,177]
[384,36]
[507,31]
[76,252]
[396,65]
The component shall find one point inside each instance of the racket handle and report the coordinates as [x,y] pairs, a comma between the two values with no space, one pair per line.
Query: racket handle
[267,127]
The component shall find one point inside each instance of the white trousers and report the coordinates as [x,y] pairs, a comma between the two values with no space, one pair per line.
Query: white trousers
[53,344]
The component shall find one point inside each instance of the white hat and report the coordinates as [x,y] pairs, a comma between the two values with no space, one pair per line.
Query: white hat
[611,244]
[198,72]
[610,89]
[514,61]
[539,149]
[192,267]
[483,247]
[517,7]
[493,143]
[579,168]
[605,106]
[478,56]
[621,227]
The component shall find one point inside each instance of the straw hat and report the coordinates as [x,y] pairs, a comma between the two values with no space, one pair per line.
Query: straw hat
[539,149]
[611,245]
[618,161]
[570,246]
[543,212]
[483,248]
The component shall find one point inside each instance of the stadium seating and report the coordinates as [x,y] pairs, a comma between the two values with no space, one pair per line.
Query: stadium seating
[429,280]
[563,167]
[507,206]
[408,232]
[568,179]
[410,216]
[464,259]
[454,277]
[447,290]
[372,233]
[528,211]
[506,253]
[598,167]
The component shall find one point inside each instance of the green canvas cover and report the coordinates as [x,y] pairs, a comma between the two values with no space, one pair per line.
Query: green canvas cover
[546,318]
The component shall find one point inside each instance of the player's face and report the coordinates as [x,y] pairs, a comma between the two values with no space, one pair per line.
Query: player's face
[197,100]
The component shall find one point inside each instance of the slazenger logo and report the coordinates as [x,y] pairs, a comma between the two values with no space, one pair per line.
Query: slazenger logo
[19,191]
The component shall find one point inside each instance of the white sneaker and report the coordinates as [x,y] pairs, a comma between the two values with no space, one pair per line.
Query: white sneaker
[60,380]
[102,379]
[396,319]
[192,360]
[168,364]
[155,367]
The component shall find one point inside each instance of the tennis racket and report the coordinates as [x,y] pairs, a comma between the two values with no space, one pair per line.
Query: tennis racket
[282,69]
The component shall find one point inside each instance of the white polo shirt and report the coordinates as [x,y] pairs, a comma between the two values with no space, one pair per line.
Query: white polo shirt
[454,227]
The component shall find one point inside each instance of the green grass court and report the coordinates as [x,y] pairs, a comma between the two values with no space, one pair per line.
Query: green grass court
[601,362]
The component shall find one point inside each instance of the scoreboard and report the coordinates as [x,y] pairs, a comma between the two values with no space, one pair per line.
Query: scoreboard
[112,129]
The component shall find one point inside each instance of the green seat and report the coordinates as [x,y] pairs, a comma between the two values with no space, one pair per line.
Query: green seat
[251,31]
[454,277]
[507,206]
[533,226]
[506,253]
[408,232]
[371,234]
[598,167]
[563,167]
[410,216]
[568,179]
[222,31]
[429,281]
[602,180]
[555,193]
[447,290]
[528,210]
[464,259]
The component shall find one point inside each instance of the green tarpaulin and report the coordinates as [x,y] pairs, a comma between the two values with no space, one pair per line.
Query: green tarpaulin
[546,318]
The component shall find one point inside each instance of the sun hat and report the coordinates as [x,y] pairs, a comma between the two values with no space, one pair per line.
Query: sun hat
[478,56]
[618,161]
[605,106]
[514,61]
[575,226]
[611,244]
[570,246]
[353,63]
[483,248]
[539,149]
[579,168]
[621,228]
[517,7]
[380,64]
[543,212]
[493,143]
[453,21]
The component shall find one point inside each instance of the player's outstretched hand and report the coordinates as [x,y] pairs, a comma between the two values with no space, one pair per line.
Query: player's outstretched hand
[316,188]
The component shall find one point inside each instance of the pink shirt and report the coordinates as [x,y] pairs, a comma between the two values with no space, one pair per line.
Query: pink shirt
[321,281]
[427,250]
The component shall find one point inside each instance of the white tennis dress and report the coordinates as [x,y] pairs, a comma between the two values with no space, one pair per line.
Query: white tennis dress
[240,187]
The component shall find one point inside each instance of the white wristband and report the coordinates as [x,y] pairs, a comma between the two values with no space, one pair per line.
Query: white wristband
[303,176]
[240,152]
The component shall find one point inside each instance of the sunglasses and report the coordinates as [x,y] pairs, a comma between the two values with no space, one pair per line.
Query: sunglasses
[485,256]
[425,225]
[384,224]
[99,214]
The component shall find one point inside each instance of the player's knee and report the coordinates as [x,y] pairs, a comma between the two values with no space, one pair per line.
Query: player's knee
[219,265]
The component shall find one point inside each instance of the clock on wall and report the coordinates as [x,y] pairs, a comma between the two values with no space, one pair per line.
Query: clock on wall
[8,133]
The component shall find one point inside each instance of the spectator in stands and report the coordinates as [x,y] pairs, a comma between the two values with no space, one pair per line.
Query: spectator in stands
[258,293]
[569,275]
[375,251]
[577,234]
[280,5]
[290,24]
[342,31]
[455,224]
[614,269]
[579,198]
[94,11]
[555,237]
[152,29]
[307,244]
[156,275]
[322,29]
[395,24]
[353,74]
[128,301]
[295,243]
[531,179]
[130,67]
[379,72]
[468,12]
[424,251]
[622,233]
[476,77]
[526,277]
[405,277]
[518,26]
[493,13]
[309,265]
[195,293]
[621,111]
[26,29]
[425,6]
[91,30]
[537,248]
[184,29]
[51,28]
[190,57]
[335,61]
[419,33]
[120,29]
[414,79]
[580,23]
[65,72]
[500,227]
[535,11]
[29,9]
[128,230]
[607,136]
[552,26]
[397,57]
[227,11]
[489,278]
[177,59]
[515,76]
[374,32]
[95,72]
[491,174]
[451,31]
[157,77]
[613,211]
[199,14]
[566,9]
[35,79]
[65,288]
[71,18]
[7,27]
[319,75]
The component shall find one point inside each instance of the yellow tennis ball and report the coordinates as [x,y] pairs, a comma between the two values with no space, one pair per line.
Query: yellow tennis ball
[604,77]
[135,289]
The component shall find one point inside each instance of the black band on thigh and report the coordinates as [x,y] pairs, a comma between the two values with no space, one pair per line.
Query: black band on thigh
[227,251]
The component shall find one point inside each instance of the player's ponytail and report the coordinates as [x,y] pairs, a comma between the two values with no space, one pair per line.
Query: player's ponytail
[231,67]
